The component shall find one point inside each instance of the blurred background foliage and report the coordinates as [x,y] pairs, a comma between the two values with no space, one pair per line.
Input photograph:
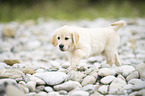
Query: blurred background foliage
[20,10]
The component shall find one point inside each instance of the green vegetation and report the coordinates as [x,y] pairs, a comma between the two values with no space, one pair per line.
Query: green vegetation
[70,9]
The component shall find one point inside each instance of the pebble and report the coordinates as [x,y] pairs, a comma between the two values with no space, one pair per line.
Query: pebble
[31,85]
[88,80]
[78,93]
[29,70]
[38,81]
[53,94]
[56,77]
[48,89]
[103,89]
[107,79]
[133,75]
[141,69]
[11,62]
[68,86]
[11,73]
[106,72]
[90,88]
[116,86]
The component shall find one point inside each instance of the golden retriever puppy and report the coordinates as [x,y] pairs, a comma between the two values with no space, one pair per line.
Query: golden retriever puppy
[83,42]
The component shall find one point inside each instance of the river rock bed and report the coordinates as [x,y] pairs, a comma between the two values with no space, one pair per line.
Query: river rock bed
[28,59]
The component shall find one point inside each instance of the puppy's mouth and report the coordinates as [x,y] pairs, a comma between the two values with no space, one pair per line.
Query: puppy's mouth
[62,49]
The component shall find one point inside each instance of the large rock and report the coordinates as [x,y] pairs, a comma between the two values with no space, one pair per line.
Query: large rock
[141,69]
[11,73]
[68,86]
[116,87]
[52,78]
[106,72]
[107,79]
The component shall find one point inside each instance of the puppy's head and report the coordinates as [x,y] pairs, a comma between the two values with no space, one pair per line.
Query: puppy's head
[65,38]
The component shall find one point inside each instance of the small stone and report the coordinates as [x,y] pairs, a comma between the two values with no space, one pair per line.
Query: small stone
[88,80]
[9,31]
[107,79]
[75,76]
[89,88]
[103,89]
[126,70]
[65,65]
[63,92]
[38,81]
[137,84]
[133,75]
[29,70]
[141,69]
[96,93]
[116,87]
[31,85]
[42,94]
[48,89]
[53,94]
[56,77]
[40,88]
[11,62]
[11,73]
[78,93]
[68,86]
[24,88]
[106,72]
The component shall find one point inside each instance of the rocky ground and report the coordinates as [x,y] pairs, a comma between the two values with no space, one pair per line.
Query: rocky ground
[28,60]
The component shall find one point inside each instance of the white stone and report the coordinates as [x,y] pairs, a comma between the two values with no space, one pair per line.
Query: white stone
[116,87]
[133,75]
[141,69]
[88,80]
[31,85]
[78,93]
[11,73]
[89,88]
[126,70]
[137,84]
[68,86]
[52,78]
[106,72]
[48,89]
[75,76]
[103,89]
[42,94]
[107,79]
[33,44]
[35,79]
[53,94]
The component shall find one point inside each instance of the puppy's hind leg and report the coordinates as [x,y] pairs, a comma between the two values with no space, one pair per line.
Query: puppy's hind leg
[110,58]
[117,61]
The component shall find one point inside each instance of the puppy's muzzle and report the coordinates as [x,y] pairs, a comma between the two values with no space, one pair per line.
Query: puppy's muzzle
[61,46]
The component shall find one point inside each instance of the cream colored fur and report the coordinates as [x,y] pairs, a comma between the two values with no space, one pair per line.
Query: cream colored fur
[84,42]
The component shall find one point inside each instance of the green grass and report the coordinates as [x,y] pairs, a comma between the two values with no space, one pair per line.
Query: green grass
[71,10]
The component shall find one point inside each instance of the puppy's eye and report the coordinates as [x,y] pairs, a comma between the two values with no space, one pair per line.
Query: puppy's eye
[58,38]
[66,38]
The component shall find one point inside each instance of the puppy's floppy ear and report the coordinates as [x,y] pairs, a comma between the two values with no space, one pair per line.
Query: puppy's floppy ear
[75,37]
[54,40]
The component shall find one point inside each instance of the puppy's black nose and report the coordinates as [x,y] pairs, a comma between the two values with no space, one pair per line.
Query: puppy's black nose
[61,46]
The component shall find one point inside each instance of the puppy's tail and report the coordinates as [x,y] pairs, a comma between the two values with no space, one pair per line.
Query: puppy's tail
[117,25]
